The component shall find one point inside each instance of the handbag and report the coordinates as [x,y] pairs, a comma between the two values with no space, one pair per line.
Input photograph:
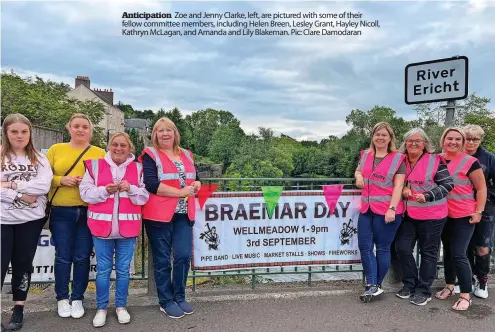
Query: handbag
[48,208]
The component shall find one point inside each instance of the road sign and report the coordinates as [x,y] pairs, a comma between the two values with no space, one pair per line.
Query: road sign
[436,80]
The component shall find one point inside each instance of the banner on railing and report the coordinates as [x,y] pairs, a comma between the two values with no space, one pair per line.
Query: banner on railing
[43,263]
[244,230]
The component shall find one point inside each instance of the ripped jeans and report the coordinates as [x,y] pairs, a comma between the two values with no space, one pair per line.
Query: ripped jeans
[19,244]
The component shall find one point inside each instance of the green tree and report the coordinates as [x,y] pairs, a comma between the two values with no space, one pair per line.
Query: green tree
[129,112]
[435,112]
[224,145]
[203,124]
[136,139]
[46,104]
[146,114]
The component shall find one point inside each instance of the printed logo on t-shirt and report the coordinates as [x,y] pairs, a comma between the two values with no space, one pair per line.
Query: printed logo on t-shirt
[22,173]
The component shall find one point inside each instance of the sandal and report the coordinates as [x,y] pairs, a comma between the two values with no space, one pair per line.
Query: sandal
[457,302]
[440,296]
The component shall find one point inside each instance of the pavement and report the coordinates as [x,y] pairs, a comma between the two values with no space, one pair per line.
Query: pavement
[322,307]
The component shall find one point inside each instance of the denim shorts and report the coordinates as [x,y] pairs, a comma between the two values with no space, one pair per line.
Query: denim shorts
[484,231]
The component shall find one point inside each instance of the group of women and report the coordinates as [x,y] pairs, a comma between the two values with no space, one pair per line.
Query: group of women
[412,195]
[99,200]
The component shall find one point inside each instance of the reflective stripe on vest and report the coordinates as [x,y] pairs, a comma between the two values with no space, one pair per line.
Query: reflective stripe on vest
[376,198]
[421,180]
[389,180]
[94,168]
[461,199]
[108,217]
[379,182]
[100,215]
[459,182]
[427,204]
[429,185]
[170,176]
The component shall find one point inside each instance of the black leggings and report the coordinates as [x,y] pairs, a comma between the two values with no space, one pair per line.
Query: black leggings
[19,244]
[455,237]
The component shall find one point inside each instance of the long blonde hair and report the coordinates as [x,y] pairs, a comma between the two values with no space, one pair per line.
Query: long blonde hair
[169,124]
[31,151]
[391,145]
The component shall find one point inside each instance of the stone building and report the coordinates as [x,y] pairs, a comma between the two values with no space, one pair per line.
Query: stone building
[113,120]
[142,126]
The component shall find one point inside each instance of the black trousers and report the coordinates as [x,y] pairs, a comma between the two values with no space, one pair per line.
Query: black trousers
[456,236]
[19,244]
[427,233]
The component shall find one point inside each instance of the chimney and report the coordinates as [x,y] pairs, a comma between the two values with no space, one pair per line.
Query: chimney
[106,94]
[84,80]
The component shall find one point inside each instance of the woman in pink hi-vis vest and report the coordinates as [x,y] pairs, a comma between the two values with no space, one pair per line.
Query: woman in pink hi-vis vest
[171,179]
[380,173]
[114,190]
[465,207]
[428,182]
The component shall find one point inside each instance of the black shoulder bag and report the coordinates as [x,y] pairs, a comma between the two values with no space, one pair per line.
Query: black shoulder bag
[49,203]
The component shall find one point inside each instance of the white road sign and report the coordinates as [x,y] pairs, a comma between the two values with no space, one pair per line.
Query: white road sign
[436,80]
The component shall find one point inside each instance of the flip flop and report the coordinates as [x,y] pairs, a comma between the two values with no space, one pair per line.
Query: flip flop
[442,292]
[465,299]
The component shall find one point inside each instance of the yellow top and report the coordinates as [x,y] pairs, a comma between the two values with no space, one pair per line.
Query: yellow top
[61,157]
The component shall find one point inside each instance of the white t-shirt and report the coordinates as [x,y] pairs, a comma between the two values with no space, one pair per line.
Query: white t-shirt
[32,180]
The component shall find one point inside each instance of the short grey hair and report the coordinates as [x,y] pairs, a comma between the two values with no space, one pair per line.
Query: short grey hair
[428,145]
[473,130]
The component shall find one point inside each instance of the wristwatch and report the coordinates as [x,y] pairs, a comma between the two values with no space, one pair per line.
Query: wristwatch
[392,208]
[18,196]
[480,211]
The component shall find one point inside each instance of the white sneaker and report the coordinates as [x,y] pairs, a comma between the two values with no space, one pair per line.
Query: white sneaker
[482,293]
[100,318]
[64,308]
[457,289]
[123,315]
[77,309]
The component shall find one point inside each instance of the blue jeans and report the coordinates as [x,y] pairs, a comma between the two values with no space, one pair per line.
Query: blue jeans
[163,237]
[105,249]
[372,230]
[73,245]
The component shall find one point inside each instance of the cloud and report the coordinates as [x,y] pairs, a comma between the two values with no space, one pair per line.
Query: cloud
[302,85]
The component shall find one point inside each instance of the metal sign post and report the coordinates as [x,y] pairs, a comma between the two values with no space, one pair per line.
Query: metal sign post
[449,113]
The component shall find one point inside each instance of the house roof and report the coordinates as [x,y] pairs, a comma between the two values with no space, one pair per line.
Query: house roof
[95,93]
[102,97]
[137,123]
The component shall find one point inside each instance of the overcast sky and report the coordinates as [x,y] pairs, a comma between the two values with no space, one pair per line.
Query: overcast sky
[303,86]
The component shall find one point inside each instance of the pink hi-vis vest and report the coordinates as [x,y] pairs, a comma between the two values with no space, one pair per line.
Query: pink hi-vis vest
[420,179]
[461,200]
[162,208]
[379,182]
[100,215]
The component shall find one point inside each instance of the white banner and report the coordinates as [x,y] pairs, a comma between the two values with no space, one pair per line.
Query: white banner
[43,263]
[234,231]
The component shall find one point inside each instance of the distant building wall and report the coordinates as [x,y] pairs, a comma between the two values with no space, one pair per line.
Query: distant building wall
[43,138]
